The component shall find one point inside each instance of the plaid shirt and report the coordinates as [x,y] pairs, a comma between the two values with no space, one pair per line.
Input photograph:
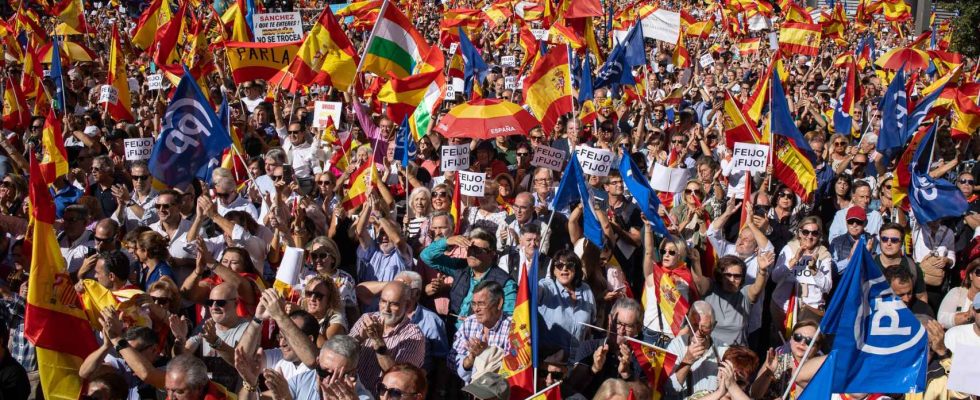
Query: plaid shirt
[473,329]
[12,311]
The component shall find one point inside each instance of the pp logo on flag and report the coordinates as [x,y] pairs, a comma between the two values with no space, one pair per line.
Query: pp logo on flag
[891,327]
[187,119]
[926,189]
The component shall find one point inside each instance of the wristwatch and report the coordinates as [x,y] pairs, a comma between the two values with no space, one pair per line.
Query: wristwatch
[383,350]
[123,344]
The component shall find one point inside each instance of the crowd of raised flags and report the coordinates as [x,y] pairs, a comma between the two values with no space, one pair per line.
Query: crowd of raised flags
[613,272]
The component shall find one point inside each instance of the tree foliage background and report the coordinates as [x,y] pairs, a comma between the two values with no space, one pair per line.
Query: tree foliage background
[966,27]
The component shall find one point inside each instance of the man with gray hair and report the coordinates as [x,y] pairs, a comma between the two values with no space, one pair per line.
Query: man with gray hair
[387,336]
[335,373]
[227,197]
[187,379]
[487,328]
[432,327]
[696,370]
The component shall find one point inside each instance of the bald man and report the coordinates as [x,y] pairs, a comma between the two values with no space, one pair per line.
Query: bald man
[216,341]
[387,336]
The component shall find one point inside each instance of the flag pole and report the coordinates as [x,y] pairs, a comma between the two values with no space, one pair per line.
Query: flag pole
[637,341]
[536,393]
[772,136]
[799,367]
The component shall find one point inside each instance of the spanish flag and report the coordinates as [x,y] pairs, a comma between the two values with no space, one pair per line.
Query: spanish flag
[737,126]
[16,115]
[122,109]
[72,15]
[700,29]
[681,57]
[404,95]
[54,162]
[800,38]
[517,366]
[362,181]
[792,167]
[498,13]
[529,45]
[657,365]
[563,34]
[456,208]
[896,10]
[749,46]
[157,14]
[54,322]
[327,56]
[965,119]
[251,60]
[796,13]
[167,42]
[548,87]
[97,297]
[469,19]
[667,297]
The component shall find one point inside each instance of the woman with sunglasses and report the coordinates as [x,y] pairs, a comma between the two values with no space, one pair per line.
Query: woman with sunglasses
[657,328]
[780,362]
[838,152]
[565,301]
[957,306]
[322,300]
[803,272]
[235,267]
[13,191]
[689,216]
[324,260]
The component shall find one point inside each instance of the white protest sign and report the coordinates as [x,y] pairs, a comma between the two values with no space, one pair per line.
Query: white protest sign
[749,157]
[455,157]
[450,93]
[472,183]
[510,82]
[290,266]
[277,27]
[108,94]
[324,110]
[540,34]
[138,148]
[458,85]
[662,25]
[452,48]
[706,60]
[155,81]
[548,157]
[508,61]
[595,161]
[964,371]
[667,179]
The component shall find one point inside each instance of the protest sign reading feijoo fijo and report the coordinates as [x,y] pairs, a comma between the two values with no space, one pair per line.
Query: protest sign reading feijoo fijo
[706,60]
[108,94]
[508,61]
[278,27]
[155,81]
[138,148]
[595,161]
[749,157]
[472,183]
[455,157]
[548,157]
[326,110]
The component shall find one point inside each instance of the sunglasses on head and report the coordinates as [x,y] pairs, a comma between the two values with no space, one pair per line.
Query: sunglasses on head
[392,393]
[799,338]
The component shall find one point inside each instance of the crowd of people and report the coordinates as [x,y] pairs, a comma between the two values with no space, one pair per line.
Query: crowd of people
[411,294]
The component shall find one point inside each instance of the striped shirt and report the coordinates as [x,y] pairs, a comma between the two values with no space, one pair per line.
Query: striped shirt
[405,343]
[473,329]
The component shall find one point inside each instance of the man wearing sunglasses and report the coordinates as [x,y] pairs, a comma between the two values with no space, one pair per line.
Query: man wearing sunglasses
[333,377]
[891,241]
[219,335]
[136,207]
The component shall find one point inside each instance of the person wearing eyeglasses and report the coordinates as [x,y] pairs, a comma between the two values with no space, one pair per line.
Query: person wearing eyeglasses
[891,244]
[802,271]
[170,224]
[487,328]
[387,337]
[333,377]
[402,382]
[227,195]
[321,298]
[137,206]
[843,247]
[218,336]
[130,354]
[777,369]
[860,197]
[698,355]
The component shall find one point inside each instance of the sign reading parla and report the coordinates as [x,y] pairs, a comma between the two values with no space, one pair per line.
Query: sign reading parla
[278,27]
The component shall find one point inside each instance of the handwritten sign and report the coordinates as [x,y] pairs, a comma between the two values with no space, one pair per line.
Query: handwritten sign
[324,110]
[508,61]
[706,60]
[472,184]
[595,161]
[540,34]
[155,81]
[548,157]
[278,27]
[138,148]
[455,157]
[108,94]
[749,157]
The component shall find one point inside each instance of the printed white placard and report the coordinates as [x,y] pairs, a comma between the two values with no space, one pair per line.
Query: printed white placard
[667,179]
[155,81]
[455,157]
[108,94]
[138,148]
[706,60]
[662,25]
[508,61]
[472,184]
[548,157]
[324,110]
[749,157]
[277,27]
[595,161]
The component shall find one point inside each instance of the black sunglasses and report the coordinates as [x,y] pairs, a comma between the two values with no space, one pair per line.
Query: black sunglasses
[160,300]
[101,240]
[315,295]
[319,255]
[807,232]
[218,302]
[440,194]
[477,251]
[140,177]
[799,338]
[323,372]
[392,393]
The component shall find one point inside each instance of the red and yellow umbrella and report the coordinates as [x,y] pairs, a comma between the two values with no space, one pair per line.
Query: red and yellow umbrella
[910,57]
[486,119]
[74,51]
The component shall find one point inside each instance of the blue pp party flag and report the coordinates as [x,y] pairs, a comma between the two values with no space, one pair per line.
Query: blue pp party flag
[636,54]
[637,186]
[881,347]
[931,198]
[56,75]
[192,137]
[819,386]
[573,189]
[473,64]
[585,90]
[894,109]
[405,148]
[616,71]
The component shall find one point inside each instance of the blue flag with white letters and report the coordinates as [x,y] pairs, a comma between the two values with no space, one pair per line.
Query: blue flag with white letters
[405,148]
[894,108]
[881,347]
[819,386]
[919,113]
[637,186]
[573,188]
[616,71]
[932,199]
[192,137]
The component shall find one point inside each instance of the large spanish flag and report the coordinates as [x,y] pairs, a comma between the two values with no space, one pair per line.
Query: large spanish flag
[395,46]
[404,95]
[657,364]
[738,128]
[122,109]
[54,321]
[800,38]
[667,297]
[157,14]
[250,60]
[72,15]
[469,19]
[749,46]
[327,56]
[517,366]
[792,167]
[548,87]
[54,162]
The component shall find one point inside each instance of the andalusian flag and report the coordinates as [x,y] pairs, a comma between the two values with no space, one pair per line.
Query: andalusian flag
[54,162]
[421,121]
[657,365]
[157,14]
[327,56]
[395,46]
[800,38]
[122,108]
[54,320]
[362,181]
[404,95]
[548,87]
[518,365]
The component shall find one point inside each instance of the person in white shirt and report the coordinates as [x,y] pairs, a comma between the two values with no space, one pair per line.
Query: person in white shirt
[696,370]
[228,198]
[966,334]
[802,271]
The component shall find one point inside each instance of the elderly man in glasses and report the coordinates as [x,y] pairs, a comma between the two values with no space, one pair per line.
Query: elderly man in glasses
[487,328]
[334,376]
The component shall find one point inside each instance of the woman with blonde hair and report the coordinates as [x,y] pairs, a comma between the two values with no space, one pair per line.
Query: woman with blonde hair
[419,208]
[322,300]
[802,271]
[657,329]
[13,191]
